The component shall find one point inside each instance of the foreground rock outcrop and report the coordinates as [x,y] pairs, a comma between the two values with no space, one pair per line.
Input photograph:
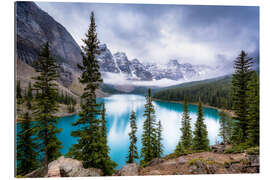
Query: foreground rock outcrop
[204,163]
[66,167]
[131,169]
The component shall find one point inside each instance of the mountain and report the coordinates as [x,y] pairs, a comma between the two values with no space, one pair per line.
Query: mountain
[136,70]
[34,27]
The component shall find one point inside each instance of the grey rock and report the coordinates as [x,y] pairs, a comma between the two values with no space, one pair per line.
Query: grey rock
[254,160]
[139,70]
[181,160]
[68,167]
[131,169]
[218,148]
[34,27]
[155,161]
[123,62]
[106,60]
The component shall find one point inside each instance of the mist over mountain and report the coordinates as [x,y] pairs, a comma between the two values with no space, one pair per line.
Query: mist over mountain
[34,27]
[119,69]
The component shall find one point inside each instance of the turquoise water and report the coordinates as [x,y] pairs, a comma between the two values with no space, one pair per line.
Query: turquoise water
[118,108]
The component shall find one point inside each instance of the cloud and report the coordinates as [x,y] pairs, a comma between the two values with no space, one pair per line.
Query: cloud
[195,34]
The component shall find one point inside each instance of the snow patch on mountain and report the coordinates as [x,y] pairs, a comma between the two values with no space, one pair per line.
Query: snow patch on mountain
[118,69]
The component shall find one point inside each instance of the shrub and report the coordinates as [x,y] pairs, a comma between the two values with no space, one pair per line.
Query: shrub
[253,151]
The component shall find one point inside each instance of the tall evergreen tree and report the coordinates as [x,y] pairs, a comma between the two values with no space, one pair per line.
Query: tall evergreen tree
[19,98]
[26,153]
[18,90]
[200,140]
[133,153]
[159,146]
[186,137]
[224,130]
[149,131]
[29,96]
[240,79]
[46,105]
[253,110]
[90,147]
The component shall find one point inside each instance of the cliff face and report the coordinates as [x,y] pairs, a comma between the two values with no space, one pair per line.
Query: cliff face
[34,27]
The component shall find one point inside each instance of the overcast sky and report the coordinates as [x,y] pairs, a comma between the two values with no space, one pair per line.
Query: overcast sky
[210,35]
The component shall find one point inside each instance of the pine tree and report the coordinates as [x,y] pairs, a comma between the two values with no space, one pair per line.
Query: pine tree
[224,126]
[186,137]
[149,131]
[90,147]
[240,79]
[133,153]
[19,98]
[179,148]
[159,146]
[29,96]
[26,154]
[200,140]
[18,90]
[46,105]
[253,111]
[229,129]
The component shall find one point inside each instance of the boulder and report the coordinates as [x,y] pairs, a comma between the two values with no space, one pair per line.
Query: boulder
[68,167]
[155,161]
[131,169]
[181,160]
[218,148]
[254,160]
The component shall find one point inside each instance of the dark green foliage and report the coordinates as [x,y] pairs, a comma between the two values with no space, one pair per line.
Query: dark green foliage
[66,99]
[212,92]
[19,98]
[237,148]
[18,90]
[225,131]
[241,77]
[46,105]
[186,137]
[29,96]
[26,154]
[253,150]
[200,140]
[159,146]
[103,124]
[133,153]
[91,147]
[253,110]
[149,131]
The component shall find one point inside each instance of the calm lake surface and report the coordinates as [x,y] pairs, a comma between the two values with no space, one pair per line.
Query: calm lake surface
[118,109]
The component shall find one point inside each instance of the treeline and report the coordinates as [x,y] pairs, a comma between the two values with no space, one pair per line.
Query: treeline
[28,94]
[215,93]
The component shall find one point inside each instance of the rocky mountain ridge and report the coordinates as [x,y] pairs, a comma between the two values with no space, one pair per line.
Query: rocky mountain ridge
[136,70]
[34,27]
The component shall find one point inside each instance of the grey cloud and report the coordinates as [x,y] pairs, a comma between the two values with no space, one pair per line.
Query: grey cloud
[138,29]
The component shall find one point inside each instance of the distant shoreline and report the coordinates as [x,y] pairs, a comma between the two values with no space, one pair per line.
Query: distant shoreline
[230,112]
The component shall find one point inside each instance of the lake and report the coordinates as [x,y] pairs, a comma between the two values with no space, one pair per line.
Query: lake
[118,110]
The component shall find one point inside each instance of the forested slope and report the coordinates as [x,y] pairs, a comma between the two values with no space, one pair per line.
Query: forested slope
[213,92]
